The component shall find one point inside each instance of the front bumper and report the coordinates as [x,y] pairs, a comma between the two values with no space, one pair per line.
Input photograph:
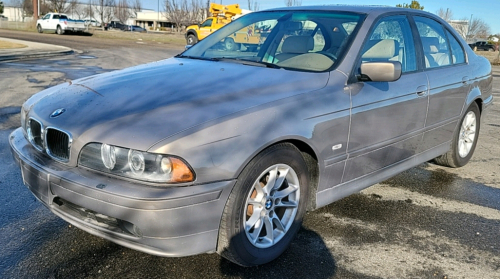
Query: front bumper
[164,221]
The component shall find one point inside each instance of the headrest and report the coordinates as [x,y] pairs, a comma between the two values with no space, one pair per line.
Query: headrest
[297,44]
[382,49]
[430,44]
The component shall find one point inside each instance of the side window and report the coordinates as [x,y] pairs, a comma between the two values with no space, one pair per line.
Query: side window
[434,42]
[457,52]
[46,16]
[207,23]
[55,17]
[319,40]
[391,40]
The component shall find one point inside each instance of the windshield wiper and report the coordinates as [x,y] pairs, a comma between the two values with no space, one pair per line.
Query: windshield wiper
[251,62]
[197,57]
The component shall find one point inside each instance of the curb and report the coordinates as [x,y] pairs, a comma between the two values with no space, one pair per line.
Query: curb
[6,58]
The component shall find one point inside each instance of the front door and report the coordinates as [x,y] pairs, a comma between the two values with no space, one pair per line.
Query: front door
[205,28]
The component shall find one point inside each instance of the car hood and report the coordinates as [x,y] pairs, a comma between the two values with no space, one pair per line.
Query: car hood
[139,106]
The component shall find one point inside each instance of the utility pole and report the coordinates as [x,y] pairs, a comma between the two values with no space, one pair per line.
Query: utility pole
[36,9]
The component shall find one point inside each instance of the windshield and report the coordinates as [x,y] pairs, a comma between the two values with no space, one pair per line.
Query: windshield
[296,40]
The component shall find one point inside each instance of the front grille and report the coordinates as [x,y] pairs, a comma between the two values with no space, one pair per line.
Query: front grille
[36,133]
[57,144]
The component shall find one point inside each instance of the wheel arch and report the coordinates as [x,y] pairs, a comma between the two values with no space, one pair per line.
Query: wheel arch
[310,157]
[191,32]
[474,96]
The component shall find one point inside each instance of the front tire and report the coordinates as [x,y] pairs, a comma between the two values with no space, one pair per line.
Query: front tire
[265,209]
[191,39]
[464,140]
[231,45]
[39,28]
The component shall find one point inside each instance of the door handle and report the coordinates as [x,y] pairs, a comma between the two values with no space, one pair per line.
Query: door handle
[422,90]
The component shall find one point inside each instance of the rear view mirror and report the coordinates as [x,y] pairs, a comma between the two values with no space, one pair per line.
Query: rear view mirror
[380,71]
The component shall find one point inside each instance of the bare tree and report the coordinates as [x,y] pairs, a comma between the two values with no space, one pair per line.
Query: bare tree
[175,12]
[195,12]
[478,29]
[253,5]
[76,9]
[183,12]
[25,8]
[136,6]
[59,6]
[290,3]
[447,14]
[104,9]
[122,11]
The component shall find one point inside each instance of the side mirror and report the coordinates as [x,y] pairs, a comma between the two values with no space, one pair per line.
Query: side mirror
[380,71]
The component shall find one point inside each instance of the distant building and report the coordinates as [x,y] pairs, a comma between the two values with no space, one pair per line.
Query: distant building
[15,14]
[462,26]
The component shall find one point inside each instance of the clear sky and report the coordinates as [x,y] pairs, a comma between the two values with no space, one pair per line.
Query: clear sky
[488,10]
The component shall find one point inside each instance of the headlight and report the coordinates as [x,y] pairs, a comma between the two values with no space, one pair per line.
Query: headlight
[135,164]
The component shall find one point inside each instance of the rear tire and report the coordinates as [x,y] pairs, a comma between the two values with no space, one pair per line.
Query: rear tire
[39,28]
[464,140]
[265,208]
[59,30]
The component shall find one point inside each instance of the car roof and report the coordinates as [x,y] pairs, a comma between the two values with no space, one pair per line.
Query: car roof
[364,9]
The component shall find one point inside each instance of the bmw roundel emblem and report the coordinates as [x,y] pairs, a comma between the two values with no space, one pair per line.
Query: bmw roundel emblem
[57,112]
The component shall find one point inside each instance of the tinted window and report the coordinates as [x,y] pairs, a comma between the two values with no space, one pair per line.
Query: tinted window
[392,40]
[434,42]
[207,23]
[457,52]
[294,40]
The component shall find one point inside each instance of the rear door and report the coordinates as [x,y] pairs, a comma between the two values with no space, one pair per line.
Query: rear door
[449,76]
[387,117]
